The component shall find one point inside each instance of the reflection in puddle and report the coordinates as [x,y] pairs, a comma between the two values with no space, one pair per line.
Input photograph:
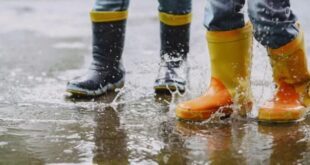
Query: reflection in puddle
[127,127]
[110,139]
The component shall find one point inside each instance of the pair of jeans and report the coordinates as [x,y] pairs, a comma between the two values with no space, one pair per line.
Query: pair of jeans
[167,6]
[273,20]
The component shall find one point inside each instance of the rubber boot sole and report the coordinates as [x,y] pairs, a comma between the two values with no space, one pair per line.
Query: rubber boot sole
[81,92]
[186,115]
[168,89]
[288,117]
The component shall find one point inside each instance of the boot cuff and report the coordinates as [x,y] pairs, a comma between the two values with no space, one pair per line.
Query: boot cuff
[108,16]
[231,35]
[175,19]
[290,47]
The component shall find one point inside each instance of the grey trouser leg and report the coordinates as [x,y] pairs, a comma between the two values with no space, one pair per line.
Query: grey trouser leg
[223,15]
[175,6]
[167,6]
[274,22]
[111,5]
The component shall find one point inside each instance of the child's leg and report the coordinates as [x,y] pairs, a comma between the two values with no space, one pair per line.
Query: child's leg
[106,71]
[274,22]
[276,28]
[111,5]
[175,19]
[229,41]
[224,15]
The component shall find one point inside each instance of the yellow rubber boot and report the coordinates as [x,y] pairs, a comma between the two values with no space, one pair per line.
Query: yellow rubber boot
[230,55]
[292,78]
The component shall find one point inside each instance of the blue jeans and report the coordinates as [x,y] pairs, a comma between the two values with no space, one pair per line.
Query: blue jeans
[273,21]
[167,6]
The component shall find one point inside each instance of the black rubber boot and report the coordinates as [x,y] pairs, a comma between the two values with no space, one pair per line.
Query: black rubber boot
[173,69]
[106,71]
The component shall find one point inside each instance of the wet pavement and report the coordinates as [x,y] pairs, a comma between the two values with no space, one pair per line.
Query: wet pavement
[43,44]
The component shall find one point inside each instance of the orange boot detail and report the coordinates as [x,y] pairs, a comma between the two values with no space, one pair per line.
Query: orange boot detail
[230,56]
[290,73]
[284,107]
[216,97]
